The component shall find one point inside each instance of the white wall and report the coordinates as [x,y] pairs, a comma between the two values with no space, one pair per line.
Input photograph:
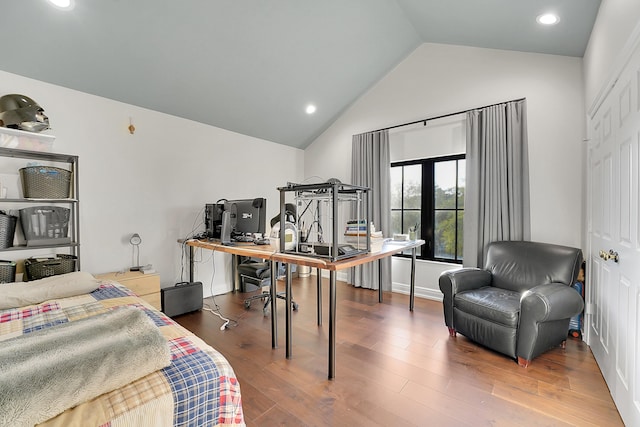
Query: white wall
[155,182]
[439,79]
[615,23]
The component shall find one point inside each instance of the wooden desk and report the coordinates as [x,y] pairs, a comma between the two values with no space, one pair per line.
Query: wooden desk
[270,253]
[265,252]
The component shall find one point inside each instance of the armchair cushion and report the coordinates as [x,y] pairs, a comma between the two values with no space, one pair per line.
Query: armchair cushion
[493,304]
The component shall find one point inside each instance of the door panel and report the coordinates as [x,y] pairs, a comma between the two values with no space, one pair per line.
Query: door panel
[607,202]
[626,185]
[622,359]
[593,295]
[612,319]
[605,305]
[635,386]
[596,171]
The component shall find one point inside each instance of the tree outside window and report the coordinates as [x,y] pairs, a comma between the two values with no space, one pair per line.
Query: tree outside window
[429,194]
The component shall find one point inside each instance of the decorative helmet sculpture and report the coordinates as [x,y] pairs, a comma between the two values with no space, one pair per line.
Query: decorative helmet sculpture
[22,112]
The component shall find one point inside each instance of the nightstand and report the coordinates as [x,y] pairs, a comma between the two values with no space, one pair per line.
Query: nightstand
[146,286]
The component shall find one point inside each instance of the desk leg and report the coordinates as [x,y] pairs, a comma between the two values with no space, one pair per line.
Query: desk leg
[332,324]
[413,279]
[273,291]
[288,311]
[191,255]
[319,296]
[379,280]
[235,272]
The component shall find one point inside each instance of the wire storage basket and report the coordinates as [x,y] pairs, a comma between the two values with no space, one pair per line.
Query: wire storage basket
[39,268]
[7,229]
[7,271]
[45,225]
[45,182]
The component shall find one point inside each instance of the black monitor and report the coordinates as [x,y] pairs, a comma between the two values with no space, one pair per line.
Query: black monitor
[248,216]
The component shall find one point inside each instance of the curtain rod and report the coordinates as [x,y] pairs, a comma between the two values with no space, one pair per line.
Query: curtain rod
[446,115]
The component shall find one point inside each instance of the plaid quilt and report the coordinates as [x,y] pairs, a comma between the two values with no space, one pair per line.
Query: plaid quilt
[199,388]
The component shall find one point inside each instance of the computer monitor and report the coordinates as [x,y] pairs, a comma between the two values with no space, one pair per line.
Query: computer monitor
[248,216]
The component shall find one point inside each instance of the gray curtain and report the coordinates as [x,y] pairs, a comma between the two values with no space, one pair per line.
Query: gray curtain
[370,167]
[497,181]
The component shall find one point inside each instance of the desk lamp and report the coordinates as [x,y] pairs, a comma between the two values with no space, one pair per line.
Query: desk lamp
[135,241]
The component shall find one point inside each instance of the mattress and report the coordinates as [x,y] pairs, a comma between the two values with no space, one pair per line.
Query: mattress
[198,388]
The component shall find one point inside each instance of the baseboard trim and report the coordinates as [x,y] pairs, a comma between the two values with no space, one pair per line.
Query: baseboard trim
[400,288]
[403,288]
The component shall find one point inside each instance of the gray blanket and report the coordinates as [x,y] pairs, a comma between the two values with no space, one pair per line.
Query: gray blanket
[46,372]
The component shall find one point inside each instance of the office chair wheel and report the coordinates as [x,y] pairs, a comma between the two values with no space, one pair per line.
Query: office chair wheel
[265,311]
[295,306]
[247,304]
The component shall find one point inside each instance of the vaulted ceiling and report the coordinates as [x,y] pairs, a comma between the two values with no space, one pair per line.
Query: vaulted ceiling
[252,66]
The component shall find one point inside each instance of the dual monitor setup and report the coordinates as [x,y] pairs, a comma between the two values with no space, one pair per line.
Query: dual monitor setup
[237,220]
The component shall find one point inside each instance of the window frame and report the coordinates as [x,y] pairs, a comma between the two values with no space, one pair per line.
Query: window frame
[427,209]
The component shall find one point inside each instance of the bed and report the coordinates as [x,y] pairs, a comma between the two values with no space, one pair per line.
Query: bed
[198,387]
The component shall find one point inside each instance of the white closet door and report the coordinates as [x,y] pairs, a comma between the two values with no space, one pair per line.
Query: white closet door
[613,269]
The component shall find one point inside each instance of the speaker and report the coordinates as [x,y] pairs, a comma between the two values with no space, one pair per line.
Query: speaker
[225,234]
[184,297]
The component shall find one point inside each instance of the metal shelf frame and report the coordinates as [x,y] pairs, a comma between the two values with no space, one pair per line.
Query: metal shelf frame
[73,201]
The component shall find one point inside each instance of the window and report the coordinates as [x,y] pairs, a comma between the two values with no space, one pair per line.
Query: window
[429,194]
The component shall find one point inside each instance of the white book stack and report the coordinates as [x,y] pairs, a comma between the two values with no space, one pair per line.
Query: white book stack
[147,269]
[356,235]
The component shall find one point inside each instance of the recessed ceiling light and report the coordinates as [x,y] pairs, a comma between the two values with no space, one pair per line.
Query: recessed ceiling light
[62,4]
[548,19]
[310,109]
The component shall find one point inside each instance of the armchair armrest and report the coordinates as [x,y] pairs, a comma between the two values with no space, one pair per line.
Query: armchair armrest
[464,279]
[453,281]
[552,301]
[545,311]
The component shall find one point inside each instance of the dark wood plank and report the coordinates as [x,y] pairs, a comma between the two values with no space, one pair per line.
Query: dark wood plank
[394,367]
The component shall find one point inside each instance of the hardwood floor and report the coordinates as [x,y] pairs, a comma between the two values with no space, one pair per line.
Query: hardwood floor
[394,367]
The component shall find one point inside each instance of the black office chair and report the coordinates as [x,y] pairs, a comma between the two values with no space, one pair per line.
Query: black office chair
[258,273]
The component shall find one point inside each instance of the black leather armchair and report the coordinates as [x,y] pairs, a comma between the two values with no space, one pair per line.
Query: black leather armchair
[520,304]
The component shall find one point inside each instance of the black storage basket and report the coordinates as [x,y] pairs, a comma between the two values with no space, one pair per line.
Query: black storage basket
[39,268]
[7,230]
[45,182]
[45,225]
[7,271]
